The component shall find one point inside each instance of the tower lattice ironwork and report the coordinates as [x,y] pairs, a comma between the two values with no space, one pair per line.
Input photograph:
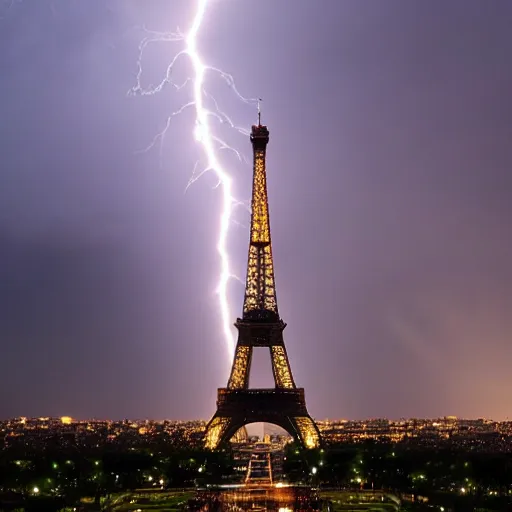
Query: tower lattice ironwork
[260,326]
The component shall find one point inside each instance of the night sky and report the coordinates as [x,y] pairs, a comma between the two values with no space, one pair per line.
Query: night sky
[390,185]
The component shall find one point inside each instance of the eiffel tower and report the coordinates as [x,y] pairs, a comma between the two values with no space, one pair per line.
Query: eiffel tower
[260,326]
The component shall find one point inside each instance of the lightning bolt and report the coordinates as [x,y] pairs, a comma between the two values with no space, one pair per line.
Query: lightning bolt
[204,134]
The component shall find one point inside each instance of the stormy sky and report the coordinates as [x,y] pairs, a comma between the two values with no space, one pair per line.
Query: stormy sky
[389,174]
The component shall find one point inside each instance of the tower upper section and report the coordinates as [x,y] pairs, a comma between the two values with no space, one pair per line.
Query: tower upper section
[260,224]
[260,301]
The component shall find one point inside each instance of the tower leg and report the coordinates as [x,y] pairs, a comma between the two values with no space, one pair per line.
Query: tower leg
[216,431]
[308,431]
[222,428]
[281,367]
[239,378]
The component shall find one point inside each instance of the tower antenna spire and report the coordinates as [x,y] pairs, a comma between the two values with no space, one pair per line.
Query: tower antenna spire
[259,111]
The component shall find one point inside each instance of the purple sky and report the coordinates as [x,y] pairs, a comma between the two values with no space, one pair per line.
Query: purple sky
[390,185]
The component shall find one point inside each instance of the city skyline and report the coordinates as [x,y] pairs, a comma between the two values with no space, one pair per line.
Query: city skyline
[388,187]
[65,419]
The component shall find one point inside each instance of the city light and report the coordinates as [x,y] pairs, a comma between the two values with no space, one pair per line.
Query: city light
[185,435]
